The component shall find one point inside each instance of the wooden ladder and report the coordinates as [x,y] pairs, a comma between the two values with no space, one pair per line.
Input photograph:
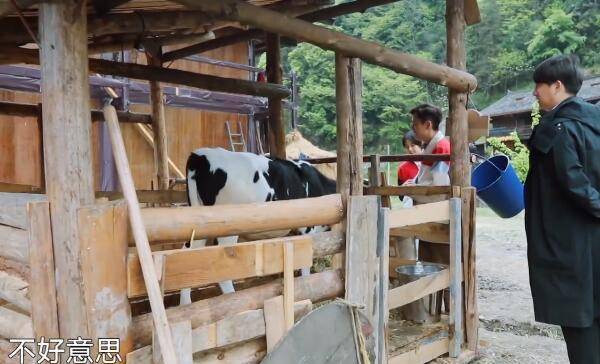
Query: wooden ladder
[241,141]
[152,269]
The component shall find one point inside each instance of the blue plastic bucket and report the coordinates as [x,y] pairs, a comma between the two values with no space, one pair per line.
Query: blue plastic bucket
[498,186]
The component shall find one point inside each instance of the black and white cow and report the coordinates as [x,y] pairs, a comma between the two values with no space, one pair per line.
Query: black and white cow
[216,176]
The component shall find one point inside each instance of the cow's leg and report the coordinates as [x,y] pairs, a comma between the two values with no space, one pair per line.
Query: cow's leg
[227,286]
[185,296]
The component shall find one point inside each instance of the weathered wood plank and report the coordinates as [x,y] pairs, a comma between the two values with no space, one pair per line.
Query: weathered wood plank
[432,232]
[14,324]
[42,283]
[420,214]
[184,268]
[288,282]
[14,291]
[455,319]
[408,190]
[104,248]
[469,256]
[13,208]
[420,288]
[14,244]
[182,341]
[422,353]
[274,321]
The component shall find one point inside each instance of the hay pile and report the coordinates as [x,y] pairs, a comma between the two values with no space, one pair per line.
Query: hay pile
[296,144]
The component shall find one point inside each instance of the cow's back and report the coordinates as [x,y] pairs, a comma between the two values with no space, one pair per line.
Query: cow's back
[218,176]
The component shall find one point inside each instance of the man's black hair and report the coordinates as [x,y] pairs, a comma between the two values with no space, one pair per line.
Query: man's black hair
[426,112]
[563,68]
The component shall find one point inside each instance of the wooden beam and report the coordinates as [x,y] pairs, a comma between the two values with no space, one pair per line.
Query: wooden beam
[14,244]
[423,353]
[316,287]
[276,126]
[312,16]
[420,214]
[132,41]
[432,232]
[151,73]
[103,245]
[159,127]
[325,38]
[408,190]
[31,110]
[290,259]
[389,158]
[244,260]
[177,224]
[418,289]
[67,147]
[349,126]
[460,166]
[141,239]
[43,282]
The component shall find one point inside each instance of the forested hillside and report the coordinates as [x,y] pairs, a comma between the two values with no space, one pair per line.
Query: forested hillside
[512,38]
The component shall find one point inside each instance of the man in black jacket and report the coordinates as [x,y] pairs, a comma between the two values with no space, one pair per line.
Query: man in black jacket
[562,209]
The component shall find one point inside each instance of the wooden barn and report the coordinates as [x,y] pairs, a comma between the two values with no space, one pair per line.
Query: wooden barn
[100,89]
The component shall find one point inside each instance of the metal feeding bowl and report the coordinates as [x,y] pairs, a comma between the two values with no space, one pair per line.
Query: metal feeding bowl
[419,269]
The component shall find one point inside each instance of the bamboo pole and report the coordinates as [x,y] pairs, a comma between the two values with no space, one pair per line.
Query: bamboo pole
[371,52]
[143,247]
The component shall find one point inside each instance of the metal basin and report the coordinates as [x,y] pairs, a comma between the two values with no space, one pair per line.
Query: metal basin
[419,269]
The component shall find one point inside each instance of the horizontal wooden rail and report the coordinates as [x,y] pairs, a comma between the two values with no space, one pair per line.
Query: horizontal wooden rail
[418,289]
[408,190]
[389,158]
[185,268]
[316,287]
[188,268]
[234,329]
[13,208]
[32,110]
[14,244]
[149,196]
[423,353]
[431,231]
[177,224]
[420,214]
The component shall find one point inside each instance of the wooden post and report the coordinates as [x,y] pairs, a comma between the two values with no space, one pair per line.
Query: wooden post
[104,244]
[159,127]
[470,268]
[288,284]
[455,320]
[276,126]
[67,149]
[460,171]
[363,262]
[348,83]
[40,122]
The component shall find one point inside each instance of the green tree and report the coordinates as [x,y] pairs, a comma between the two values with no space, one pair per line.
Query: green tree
[556,35]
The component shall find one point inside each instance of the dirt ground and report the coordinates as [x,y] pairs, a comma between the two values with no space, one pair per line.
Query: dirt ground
[508,332]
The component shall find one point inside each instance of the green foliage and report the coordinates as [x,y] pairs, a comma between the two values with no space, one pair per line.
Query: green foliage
[503,49]
[519,154]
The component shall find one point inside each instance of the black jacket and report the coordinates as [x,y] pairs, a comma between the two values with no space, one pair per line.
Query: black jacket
[562,215]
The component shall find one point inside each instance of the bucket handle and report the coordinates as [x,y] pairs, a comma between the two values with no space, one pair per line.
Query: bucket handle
[487,160]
